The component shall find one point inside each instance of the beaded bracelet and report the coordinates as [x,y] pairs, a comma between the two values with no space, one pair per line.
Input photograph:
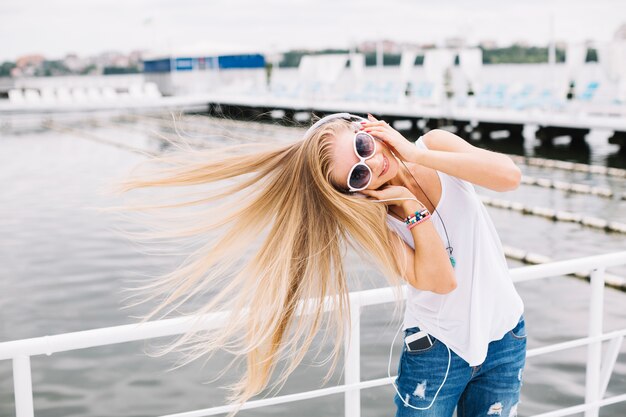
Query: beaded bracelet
[417,216]
[423,219]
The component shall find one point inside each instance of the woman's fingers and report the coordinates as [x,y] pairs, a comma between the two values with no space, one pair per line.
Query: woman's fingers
[390,137]
[390,195]
[377,123]
[376,129]
[381,193]
[373,194]
[381,134]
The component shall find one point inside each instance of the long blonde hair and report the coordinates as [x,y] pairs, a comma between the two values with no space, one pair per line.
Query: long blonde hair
[282,198]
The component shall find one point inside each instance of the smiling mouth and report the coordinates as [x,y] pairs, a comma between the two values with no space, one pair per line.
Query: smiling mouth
[385,165]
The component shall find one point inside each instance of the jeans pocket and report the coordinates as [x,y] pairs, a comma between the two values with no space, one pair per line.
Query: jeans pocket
[519,331]
[411,331]
[422,374]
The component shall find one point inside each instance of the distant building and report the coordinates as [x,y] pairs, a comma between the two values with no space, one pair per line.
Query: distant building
[110,59]
[454,42]
[488,44]
[29,60]
[193,71]
[368,46]
[388,47]
[27,65]
[75,63]
[391,47]
[522,44]
[409,46]
[560,45]
[136,57]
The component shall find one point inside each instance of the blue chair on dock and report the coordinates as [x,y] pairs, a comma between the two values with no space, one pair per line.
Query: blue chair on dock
[492,95]
[277,90]
[368,92]
[313,89]
[544,99]
[482,98]
[522,99]
[498,97]
[423,90]
[548,101]
[589,92]
[390,92]
[281,90]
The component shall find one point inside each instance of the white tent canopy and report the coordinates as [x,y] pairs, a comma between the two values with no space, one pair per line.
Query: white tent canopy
[357,65]
[407,62]
[471,62]
[323,68]
[574,59]
[436,61]
[612,58]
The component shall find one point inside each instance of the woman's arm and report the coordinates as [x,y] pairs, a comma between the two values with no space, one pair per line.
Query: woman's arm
[424,282]
[451,154]
[429,261]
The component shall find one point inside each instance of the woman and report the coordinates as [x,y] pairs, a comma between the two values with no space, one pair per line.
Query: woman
[421,222]
[477,348]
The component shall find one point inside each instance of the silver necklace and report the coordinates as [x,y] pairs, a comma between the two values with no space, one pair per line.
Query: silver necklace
[449,248]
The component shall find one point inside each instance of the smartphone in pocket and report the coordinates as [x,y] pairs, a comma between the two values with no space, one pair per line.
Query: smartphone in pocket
[418,341]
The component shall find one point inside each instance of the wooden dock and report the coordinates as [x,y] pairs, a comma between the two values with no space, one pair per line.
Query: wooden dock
[419,119]
[464,121]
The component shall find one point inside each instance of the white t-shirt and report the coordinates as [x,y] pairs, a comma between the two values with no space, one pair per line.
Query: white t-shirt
[485,305]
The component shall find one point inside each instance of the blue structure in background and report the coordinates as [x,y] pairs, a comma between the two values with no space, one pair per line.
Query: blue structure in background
[157,65]
[180,64]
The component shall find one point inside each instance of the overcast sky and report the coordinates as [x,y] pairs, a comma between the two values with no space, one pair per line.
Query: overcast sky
[56,27]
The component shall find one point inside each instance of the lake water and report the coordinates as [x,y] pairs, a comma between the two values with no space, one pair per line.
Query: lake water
[64,267]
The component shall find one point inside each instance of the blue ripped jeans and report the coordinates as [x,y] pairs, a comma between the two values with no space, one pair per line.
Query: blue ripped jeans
[491,388]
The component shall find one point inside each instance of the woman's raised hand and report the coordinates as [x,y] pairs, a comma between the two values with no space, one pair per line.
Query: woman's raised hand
[398,144]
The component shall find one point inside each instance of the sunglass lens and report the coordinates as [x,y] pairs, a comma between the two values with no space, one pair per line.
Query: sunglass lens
[364,145]
[360,176]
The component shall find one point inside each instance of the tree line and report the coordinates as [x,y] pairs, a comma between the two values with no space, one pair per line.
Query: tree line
[509,55]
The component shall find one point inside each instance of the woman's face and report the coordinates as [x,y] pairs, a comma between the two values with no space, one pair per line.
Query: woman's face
[383,164]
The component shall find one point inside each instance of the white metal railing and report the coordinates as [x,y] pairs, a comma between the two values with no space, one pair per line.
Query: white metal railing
[597,373]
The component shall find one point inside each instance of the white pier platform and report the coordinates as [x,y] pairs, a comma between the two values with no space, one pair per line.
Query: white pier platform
[580,119]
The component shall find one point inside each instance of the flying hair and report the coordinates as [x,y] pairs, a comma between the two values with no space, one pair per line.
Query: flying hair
[269,232]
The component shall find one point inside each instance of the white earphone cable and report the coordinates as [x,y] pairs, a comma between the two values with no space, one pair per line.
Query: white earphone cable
[395,387]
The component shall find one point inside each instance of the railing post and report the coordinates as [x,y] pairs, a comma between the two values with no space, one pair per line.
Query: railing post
[594,351]
[23,387]
[352,355]
[608,364]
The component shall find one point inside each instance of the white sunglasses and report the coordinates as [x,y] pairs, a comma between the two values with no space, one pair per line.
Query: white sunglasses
[360,175]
